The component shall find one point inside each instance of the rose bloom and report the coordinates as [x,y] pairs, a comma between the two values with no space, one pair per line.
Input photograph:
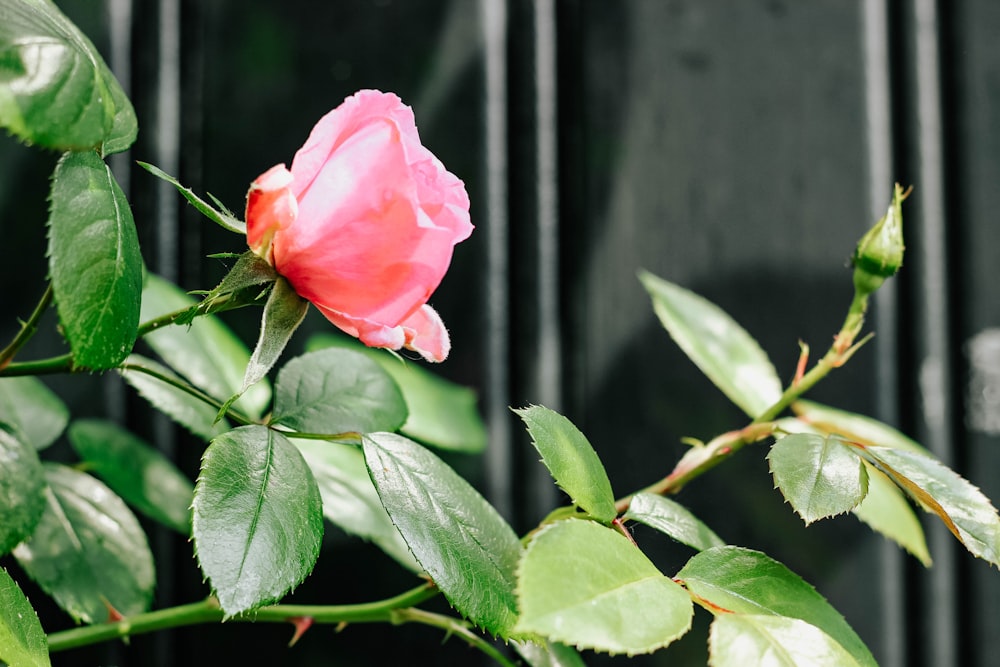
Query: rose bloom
[364,223]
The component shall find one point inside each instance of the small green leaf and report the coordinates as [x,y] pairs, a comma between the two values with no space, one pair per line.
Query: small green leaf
[88,550]
[223,219]
[720,347]
[142,476]
[337,391]
[22,490]
[459,539]
[853,426]
[572,461]
[258,518]
[22,640]
[440,413]
[738,640]
[94,261]
[886,510]
[31,409]
[55,90]
[969,515]
[584,584]
[145,376]
[349,498]
[819,475]
[548,654]
[745,582]
[673,519]
[206,351]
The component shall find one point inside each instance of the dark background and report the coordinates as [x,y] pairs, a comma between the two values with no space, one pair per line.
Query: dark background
[737,148]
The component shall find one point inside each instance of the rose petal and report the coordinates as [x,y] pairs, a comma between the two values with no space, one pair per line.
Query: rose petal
[427,334]
[270,208]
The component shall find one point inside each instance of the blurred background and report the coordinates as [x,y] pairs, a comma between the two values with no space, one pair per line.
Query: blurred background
[739,149]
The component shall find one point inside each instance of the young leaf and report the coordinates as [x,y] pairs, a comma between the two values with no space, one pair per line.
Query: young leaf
[258,518]
[853,426]
[55,90]
[22,490]
[747,582]
[349,498]
[88,550]
[738,640]
[31,409]
[673,519]
[94,261]
[142,476]
[584,584]
[440,413]
[205,351]
[145,376]
[571,460]
[968,514]
[336,391]
[819,475]
[886,510]
[720,347]
[223,219]
[459,539]
[22,640]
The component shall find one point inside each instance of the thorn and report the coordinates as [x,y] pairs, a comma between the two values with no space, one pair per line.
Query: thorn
[113,614]
[301,623]
[800,369]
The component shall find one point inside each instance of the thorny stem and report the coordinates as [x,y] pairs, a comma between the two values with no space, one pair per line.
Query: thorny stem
[176,382]
[453,626]
[27,329]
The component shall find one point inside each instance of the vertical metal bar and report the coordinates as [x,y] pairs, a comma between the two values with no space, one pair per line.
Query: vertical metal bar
[168,135]
[499,469]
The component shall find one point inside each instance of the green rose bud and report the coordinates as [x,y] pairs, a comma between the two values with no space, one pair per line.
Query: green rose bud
[880,252]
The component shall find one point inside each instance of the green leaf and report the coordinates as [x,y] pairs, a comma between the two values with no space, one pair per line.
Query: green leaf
[548,654]
[142,476]
[720,347]
[32,410]
[349,498]
[22,640]
[337,391]
[206,352]
[572,461]
[853,426]
[88,550]
[459,539]
[145,376]
[672,518]
[440,413]
[55,90]
[968,514]
[223,219]
[819,475]
[22,490]
[584,584]
[886,510]
[258,518]
[94,261]
[738,640]
[741,581]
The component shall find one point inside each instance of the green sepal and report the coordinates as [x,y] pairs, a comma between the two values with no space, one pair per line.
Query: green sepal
[223,218]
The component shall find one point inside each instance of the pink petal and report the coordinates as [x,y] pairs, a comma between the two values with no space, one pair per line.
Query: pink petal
[426,334]
[270,208]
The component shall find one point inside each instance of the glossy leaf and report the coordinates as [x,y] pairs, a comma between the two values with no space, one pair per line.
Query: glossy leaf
[22,640]
[336,391]
[147,377]
[819,475]
[221,218]
[586,585]
[746,582]
[94,261]
[206,351]
[853,426]
[440,413]
[548,654]
[349,498]
[88,550]
[459,539]
[141,475]
[967,513]
[32,410]
[673,519]
[22,490]
[55,90]
[572,461]
[283,313]
[886,510]
[258,518]
[739,640]
[720,347]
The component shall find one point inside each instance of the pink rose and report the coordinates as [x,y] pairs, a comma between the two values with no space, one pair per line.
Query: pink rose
[364,223]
